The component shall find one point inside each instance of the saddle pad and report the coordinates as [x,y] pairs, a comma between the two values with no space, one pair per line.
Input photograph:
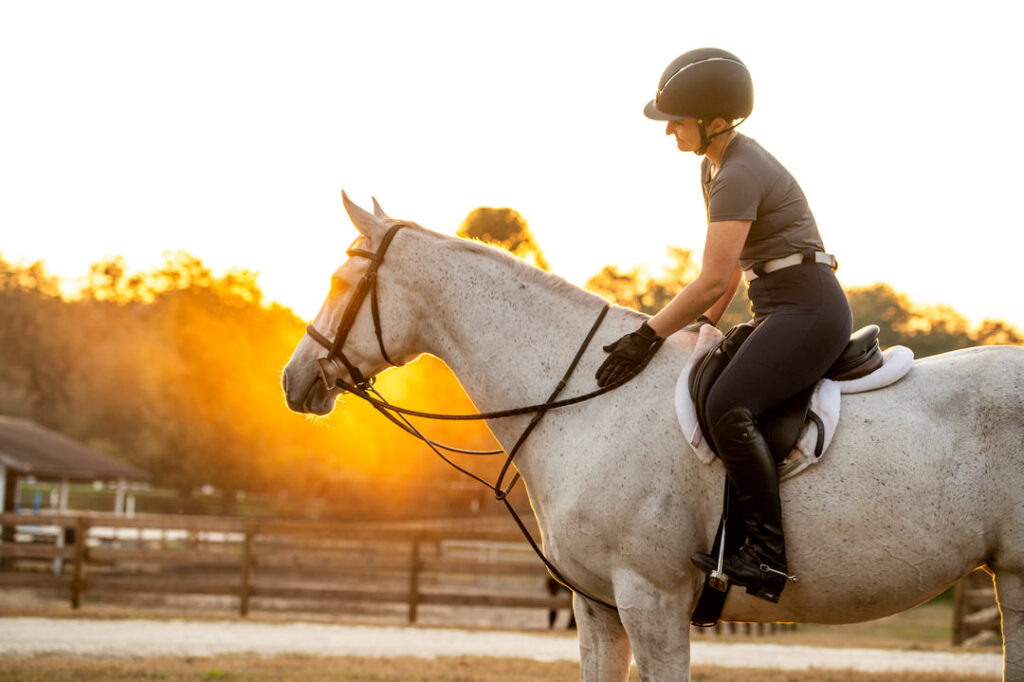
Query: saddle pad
[896,362]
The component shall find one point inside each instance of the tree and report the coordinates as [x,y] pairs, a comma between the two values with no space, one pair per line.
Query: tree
[998,332]
[505,228]
[642,290]
[927,330]
[35,353]
[880,304]
[178,371]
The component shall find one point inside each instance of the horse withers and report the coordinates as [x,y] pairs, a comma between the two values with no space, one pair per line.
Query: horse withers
[923,481]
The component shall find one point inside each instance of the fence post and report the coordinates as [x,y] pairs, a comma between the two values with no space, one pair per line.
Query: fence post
[959,611]
[414,580]
[245,585]
[77,570]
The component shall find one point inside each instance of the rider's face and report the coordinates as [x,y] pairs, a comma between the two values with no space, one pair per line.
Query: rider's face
[686,132]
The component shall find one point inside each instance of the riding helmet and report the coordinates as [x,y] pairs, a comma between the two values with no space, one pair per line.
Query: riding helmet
[702,82]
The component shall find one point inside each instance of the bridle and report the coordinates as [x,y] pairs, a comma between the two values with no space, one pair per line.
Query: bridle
[328,365]
[362,388]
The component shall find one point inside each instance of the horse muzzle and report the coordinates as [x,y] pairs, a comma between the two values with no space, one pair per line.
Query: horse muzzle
[307,394]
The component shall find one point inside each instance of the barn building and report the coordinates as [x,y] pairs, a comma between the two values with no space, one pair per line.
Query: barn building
[28,449]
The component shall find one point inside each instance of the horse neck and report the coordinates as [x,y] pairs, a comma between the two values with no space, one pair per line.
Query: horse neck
[509,335]
[507,332]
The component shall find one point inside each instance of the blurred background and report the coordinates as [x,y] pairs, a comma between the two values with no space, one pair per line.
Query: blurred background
[170,218]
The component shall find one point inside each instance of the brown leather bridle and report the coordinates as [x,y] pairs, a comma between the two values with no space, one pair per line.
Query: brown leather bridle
[328,365]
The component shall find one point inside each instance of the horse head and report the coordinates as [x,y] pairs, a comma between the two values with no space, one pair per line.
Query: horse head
[360,330]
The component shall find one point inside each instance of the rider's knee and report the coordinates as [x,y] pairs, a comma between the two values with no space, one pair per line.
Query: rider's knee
[720,403]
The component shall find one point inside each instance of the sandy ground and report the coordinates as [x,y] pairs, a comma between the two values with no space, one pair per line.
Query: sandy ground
[143,638]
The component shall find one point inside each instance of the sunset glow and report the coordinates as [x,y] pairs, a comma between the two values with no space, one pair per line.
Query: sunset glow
[228,130]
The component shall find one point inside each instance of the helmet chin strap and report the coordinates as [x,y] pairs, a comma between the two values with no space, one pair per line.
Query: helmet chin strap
[706,140]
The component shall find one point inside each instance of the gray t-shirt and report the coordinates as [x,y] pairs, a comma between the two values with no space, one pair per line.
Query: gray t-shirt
[752,185]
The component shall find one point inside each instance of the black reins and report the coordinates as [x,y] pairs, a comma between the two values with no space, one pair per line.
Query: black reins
[362,388]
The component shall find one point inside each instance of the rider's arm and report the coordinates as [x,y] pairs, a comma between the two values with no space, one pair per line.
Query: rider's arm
[722,248]
[717,309]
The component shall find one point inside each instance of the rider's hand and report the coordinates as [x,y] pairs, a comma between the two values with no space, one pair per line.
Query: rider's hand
[628,355]
[698,323]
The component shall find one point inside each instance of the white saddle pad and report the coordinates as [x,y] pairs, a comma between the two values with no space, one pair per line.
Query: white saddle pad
[896,362]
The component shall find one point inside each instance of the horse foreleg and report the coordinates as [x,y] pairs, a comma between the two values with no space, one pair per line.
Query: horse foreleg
[658,624]
[1010,595]
[604,647]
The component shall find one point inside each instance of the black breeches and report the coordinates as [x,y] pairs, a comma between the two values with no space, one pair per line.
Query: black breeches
[803,323]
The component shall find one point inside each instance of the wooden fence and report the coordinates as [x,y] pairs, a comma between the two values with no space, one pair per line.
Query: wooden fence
[975,612]
[263,561]
[273,560]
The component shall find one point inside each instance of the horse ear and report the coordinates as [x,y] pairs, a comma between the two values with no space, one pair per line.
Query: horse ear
[367,224]
[378,211]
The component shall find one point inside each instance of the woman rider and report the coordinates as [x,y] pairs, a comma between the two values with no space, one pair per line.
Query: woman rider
[760,226]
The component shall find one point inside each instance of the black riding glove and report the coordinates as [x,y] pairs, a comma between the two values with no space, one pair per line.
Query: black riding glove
[698,323]
[628,356]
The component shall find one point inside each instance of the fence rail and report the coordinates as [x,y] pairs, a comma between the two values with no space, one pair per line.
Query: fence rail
[252,560]
[975,613]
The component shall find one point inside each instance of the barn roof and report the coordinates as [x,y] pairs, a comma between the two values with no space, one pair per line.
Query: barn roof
[34,450]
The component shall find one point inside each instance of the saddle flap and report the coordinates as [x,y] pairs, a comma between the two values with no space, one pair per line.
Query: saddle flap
[780,425]
[705,372]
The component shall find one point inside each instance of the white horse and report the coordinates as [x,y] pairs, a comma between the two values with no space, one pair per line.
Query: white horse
[922,484]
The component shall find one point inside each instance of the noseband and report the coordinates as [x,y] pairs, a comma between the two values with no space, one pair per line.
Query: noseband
[328,365]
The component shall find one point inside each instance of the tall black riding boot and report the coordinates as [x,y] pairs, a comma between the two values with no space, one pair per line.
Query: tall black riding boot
[760,564]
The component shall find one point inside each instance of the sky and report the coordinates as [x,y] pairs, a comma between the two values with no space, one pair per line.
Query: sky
[228,129]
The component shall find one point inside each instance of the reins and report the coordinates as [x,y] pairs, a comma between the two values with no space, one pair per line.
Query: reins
[362,388]
[497,414]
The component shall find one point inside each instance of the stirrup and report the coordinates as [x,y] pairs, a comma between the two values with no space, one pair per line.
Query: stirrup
[717,578]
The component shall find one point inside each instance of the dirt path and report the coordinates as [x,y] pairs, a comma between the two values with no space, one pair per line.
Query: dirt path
[144,638]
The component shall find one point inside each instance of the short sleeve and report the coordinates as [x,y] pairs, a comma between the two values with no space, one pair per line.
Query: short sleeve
[735,194]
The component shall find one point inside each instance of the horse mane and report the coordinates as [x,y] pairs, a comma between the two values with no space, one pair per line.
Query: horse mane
[530,273]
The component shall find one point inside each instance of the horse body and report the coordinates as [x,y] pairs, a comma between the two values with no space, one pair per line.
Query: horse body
[920,485]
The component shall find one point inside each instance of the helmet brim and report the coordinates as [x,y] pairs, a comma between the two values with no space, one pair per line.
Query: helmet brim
[652,112]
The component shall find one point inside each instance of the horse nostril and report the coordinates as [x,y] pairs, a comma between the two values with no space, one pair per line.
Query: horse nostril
[284,381]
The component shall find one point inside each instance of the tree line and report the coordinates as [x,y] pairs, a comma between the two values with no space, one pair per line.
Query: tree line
[177,371]
[928,330]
